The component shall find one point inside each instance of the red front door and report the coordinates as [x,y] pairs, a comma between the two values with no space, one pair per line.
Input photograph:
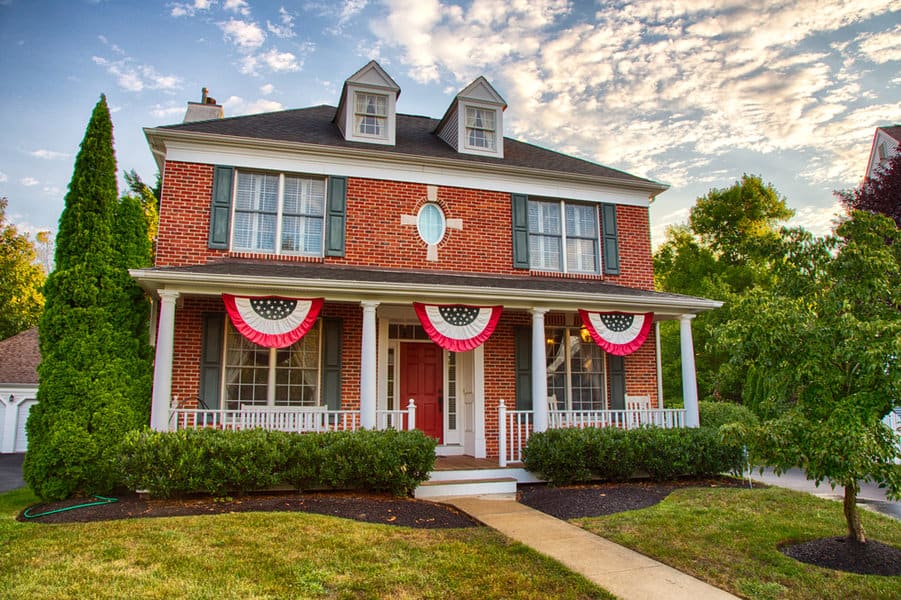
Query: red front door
[421,378]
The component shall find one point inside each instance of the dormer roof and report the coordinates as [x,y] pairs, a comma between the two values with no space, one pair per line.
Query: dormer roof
[473,123]
[367,109]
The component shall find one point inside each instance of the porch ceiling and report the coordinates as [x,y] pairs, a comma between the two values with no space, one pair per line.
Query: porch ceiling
[353,284]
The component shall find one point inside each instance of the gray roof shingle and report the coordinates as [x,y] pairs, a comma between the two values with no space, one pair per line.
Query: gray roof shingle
[19,358]
[415,136]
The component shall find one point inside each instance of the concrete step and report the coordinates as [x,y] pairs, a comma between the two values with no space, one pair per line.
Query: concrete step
[520,474]
[466,487]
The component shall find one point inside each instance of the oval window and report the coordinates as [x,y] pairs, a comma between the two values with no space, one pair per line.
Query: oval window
[430,224]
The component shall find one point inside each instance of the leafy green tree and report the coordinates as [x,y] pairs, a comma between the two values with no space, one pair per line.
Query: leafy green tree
[729,246]
[21,279]
[880,194]
[821,354]
[95,369]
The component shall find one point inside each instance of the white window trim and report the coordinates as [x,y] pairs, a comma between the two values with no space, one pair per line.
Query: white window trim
[443,219]
[349,109]
[462,130]
[382,118]
[564,267]
[279,210]
[272,368]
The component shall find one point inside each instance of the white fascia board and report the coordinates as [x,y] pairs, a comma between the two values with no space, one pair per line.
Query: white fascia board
[319,160]
[386,292]
[891,145]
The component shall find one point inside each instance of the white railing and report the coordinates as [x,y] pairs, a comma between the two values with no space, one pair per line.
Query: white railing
[515,426]
[287,418]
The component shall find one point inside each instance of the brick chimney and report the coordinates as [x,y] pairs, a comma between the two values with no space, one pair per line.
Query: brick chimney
[205,110]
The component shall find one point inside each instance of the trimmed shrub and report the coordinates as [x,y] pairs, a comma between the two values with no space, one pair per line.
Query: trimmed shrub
[716,414]
[220,462]
[565,456]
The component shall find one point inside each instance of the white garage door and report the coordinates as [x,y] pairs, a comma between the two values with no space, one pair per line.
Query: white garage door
[21,444]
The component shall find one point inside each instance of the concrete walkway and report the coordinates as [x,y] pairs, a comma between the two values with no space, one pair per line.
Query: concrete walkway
[623,572]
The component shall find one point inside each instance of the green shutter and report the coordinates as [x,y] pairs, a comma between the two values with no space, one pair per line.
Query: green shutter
[336,216]
[523,352]
[331,363]
[211,359]
[221,208]
[610,239]
[617,366]
[520,231]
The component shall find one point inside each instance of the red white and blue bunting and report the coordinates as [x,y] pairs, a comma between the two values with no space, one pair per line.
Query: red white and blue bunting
[271,321]
[457,327]
[617,333]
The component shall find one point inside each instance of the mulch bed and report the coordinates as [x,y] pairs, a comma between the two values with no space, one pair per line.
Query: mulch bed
[566,503]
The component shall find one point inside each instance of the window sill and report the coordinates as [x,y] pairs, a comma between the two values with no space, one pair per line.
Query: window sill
[276,257]
[558,274]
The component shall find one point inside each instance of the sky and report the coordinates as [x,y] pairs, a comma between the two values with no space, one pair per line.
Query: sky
[692,93]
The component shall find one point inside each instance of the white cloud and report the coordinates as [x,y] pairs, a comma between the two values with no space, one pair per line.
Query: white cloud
[3,177]
[244,34]
[235,105]
[49,154]
[29,181]
[274,61]
[881,47]
[267,89]
[180,9]
[163,112]
[819,220]
[286,29]
[52,190]
[134,77]
[237,6]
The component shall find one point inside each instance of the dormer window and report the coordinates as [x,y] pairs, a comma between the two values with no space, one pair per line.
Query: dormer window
[481,128]
[371,115]
[367,111]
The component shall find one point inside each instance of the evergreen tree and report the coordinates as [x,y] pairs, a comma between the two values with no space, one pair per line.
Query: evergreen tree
[95,369]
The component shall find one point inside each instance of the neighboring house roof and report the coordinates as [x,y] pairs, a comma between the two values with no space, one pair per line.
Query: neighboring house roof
[350,283]
[415,137]
[886,143]
[19,358]
[894,132]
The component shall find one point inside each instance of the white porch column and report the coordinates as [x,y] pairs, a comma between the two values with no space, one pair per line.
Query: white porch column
[659,366]
[162,366]
[539,371]
[689,377]
[368,389]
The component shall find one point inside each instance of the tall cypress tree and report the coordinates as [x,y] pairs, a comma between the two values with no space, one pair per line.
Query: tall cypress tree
[95,368]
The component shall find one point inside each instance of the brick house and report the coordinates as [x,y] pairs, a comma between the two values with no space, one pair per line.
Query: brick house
[437,270]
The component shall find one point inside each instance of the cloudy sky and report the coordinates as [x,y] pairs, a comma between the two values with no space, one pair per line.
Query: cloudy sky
[689,92]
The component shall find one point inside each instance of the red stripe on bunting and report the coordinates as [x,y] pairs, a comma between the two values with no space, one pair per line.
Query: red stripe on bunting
[616,332]
[458,327]
[272,321]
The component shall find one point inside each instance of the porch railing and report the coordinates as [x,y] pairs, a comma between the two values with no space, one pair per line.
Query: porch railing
[515,426]
[287,418]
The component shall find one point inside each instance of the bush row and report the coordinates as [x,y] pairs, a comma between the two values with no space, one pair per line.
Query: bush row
[717,414]
[565,456]
[221,462]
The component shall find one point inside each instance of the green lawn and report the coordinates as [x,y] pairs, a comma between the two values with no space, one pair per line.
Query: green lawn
[267,555]
[729,538]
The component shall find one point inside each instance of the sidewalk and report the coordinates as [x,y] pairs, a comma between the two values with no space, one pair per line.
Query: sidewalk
[11,472]
[622,572]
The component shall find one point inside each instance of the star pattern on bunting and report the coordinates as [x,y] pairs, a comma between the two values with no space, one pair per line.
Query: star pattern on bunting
[432,249]
[273,309]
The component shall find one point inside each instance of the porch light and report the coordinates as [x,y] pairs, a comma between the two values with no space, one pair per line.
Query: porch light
[583,333]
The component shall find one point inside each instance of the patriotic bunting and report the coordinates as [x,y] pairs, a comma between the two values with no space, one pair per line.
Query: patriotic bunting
[617,333]
[457,327]
[271,321]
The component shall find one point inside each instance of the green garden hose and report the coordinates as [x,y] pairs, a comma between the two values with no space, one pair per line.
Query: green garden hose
[101,500]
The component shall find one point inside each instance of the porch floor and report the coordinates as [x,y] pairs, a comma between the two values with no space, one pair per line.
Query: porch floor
[460,463]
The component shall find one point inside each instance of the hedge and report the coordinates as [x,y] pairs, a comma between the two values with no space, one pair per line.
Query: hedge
[220,462]
[717,414]
[565,456]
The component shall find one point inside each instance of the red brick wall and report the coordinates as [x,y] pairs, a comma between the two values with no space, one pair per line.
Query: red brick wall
[188,331]
[375,236]
[641,371]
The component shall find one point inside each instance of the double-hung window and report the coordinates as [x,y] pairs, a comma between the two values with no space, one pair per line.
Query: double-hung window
[575,370]
[563,237]
[278,214]
[481,128]
[371,114]
[260,376]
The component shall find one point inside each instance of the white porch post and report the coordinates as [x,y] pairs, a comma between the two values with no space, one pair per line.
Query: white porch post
[539,372]
[689,377]
[659,366]
[162,366]
[368,378]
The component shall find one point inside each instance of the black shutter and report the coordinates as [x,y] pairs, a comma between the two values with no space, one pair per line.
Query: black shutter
[523,353]
[335,216]
[611,243]
[331,363]
[211,360]
[221,208]
[520,231]
[617,366]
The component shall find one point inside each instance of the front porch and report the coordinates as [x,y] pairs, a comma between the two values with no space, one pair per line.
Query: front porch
[514,426]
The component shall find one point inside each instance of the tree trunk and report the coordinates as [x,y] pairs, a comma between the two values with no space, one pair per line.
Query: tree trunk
[855,529]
